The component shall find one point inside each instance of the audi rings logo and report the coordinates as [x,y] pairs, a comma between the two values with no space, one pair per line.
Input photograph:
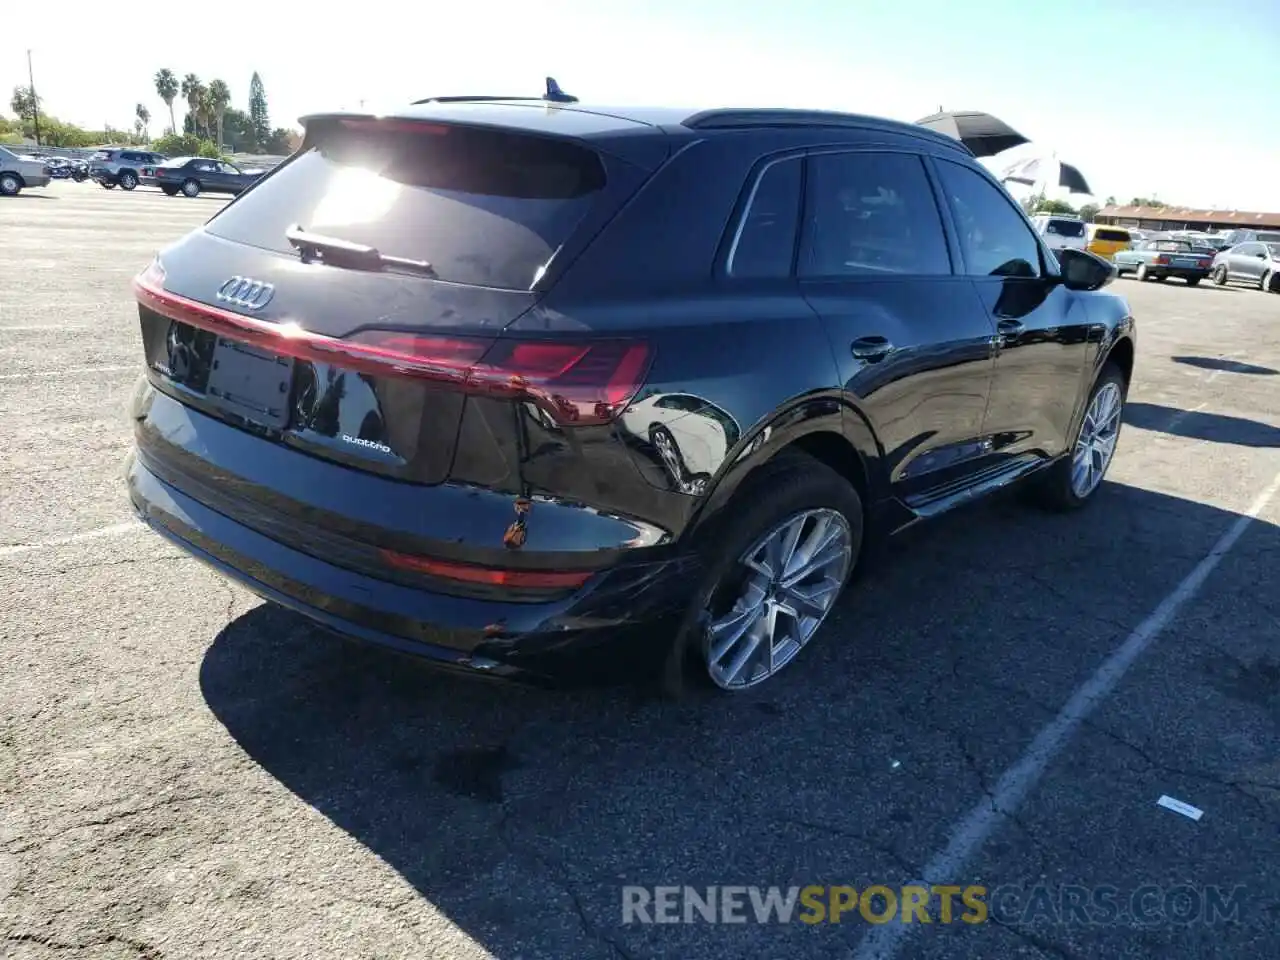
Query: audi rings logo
[246,292]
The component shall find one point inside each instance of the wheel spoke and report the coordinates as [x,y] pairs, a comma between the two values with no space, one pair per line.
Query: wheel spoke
[728,630]
[810,600]
[828,552]
[755,637]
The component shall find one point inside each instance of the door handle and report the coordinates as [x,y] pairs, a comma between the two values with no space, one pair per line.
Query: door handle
[871,349]
[1010,329]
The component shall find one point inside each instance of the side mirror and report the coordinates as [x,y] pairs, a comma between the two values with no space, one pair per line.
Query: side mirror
[1084,271]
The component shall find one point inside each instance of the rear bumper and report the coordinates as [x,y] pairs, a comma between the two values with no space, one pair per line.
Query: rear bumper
[1181,273]
[617,627]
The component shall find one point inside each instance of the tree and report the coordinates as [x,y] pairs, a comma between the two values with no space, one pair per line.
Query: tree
[258,118]
[142,119]
[193,91]
[219,100]
[167,89]
[1089,211]
[1145,202]
[25,102]
[1111,201]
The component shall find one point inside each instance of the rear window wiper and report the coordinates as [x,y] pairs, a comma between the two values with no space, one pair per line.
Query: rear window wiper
[354,256]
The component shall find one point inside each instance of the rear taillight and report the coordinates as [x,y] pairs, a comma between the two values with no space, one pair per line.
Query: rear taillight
[1162,261]
[159,171]
[490,576]
[1204,264]
[580,383]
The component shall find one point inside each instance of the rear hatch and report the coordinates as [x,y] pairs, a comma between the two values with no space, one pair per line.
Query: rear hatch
[350,302]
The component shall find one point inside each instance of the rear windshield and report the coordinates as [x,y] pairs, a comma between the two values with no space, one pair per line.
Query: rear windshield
[1269,237]
[483,207]
[1065,228]
[1119,236]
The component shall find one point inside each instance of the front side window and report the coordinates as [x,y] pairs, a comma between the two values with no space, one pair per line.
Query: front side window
[871,214]
[766,240]
[996,241]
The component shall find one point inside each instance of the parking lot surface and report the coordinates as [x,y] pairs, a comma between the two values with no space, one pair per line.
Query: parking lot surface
[185,772]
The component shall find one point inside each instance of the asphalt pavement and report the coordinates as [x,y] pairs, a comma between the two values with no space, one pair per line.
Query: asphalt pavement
[1001,702]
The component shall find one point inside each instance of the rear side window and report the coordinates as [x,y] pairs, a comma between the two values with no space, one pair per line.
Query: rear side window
[1065,228]
[996,241]
[1112,236]
[483,207]
[871,214]
[766,239]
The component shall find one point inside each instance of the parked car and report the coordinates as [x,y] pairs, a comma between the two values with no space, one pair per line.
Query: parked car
[1241,236]
[1107,241]
[1252,262]
[1060,231]
[397,386]
[1161,259]
[18,172]
[192,176]
[123,168]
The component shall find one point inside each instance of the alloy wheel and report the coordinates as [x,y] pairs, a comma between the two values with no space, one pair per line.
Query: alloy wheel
[9,185]
[1096,443]
[777,595]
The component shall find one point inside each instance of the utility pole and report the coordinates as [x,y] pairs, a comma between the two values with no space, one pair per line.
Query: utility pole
[35,103]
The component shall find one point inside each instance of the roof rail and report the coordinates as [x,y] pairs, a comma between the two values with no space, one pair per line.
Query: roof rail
[553,94]
[724,119]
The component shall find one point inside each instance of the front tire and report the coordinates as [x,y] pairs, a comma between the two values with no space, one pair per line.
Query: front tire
[1075,479]
[190,188]
[1267,283]
[1193,281]
[1142,273]
[169,191]
[776,563]
[10,185]
[128,180]
[1220,275]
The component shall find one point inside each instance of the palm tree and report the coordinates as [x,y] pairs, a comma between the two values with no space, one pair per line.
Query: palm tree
[167,88]
[219,100]
[142,118]
[193,91]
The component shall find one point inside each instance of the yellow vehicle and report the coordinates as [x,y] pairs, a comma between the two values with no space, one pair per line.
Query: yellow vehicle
[1105,240]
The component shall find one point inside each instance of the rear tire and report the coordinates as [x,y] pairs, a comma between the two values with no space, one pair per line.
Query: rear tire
[791,492]
[10,185]
[1061,488]
[169,191]
[1142,273]
[190,188]
[1193,281]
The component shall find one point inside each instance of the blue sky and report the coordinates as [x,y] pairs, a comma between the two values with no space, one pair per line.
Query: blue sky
[1174,98]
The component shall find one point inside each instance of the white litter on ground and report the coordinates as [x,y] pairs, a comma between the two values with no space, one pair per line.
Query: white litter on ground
[1177,806]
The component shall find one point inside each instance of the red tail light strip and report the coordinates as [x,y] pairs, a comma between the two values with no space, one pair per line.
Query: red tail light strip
[491,576]
[582,383]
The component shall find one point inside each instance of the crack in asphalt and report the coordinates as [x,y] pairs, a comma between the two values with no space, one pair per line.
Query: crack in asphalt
[558,874]
[115,818]
[141,948]
[1240,785]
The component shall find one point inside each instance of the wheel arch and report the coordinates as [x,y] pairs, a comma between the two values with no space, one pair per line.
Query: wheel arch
[826,429]
[14,173]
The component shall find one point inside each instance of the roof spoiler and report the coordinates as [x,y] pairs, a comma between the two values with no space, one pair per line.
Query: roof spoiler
[552,94]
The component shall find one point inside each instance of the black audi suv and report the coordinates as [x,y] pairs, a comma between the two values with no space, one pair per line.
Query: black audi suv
[560,393]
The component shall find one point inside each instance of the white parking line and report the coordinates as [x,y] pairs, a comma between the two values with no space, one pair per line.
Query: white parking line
[68,371]
[115,530]
[883,942]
